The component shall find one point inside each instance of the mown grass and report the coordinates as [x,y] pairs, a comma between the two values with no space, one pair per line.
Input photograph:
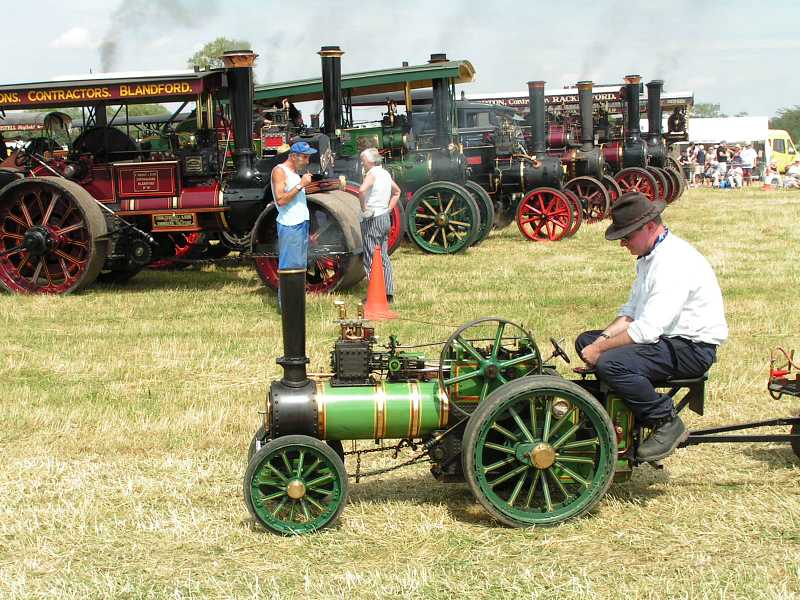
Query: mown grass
[126,413]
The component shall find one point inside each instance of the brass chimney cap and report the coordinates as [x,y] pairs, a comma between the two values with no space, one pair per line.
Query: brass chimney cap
[330,51]
[584,85]
[536,84]
[633,79]
[239,58]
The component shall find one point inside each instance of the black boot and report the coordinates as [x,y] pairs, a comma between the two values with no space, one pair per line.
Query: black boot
[665,437]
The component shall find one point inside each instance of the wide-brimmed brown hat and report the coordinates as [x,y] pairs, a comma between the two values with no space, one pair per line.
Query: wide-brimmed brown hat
[630,212]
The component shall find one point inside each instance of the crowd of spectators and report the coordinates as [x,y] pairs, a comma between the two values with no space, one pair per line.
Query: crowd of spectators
[733,166]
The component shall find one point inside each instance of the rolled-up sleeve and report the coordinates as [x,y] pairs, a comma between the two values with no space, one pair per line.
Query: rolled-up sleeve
[663,302]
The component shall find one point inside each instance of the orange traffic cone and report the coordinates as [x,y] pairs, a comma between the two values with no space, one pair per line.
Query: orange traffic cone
[377,308]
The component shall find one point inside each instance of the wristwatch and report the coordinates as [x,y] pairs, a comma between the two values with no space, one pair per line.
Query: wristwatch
[299,187]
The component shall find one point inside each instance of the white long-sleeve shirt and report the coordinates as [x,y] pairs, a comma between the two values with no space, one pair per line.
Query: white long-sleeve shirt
[675,293]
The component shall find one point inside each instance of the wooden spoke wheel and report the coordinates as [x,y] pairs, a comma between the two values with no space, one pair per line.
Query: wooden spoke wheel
[636,179]
[544,215]
[486,208]
[52,236]
[481,356]
[678,182]
[577,212]
[443,218]
[594,198]
[334,244]
[295,484]
[539,451]
[662,184]
[614,191]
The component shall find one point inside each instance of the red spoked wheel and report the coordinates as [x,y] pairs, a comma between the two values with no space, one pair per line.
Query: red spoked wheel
[544,215]
[636,179]
[178,245]
[52,236]
[662,185]
[593,196]
[614,191]
[671,190]
[334,244]
[577,212]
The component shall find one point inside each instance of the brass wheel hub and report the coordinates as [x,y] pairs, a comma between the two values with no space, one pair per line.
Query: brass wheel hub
[296,489]
[441,219]
[542,456]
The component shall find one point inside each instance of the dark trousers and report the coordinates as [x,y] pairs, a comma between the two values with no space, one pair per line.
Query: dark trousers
[630,370]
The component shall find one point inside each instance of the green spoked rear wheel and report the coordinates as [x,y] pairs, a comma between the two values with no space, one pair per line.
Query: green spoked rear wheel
[295,484]
[443,218]
[539,451]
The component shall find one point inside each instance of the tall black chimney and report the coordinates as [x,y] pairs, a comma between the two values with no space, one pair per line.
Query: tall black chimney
[239,70]
[331,89]
[440,105]
[587,122]
[654,107]
[293,321]
[632,99]
[536,115]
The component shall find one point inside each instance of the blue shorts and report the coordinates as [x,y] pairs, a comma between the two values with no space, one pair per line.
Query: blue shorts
[293,246]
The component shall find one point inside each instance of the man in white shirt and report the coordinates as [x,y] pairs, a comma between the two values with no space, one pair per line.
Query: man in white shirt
[749,157]
[669,328]
[379,195]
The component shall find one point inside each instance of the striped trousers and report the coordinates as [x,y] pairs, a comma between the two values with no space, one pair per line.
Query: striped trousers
[375,232]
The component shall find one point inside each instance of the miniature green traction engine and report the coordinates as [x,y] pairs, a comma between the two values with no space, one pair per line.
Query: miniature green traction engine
[535,448]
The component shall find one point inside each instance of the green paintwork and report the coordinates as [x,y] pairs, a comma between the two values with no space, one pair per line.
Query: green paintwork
[351,412]
[622,417]
[412,172]
[357,139]
[531,495]
[369,82]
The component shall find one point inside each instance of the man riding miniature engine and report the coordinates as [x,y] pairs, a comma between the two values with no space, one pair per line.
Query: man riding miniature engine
[669,328]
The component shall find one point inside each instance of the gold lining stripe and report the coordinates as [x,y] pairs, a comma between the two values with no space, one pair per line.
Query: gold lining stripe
[414,422]
[291,271]
[380,411]
[444,409]
[322,409]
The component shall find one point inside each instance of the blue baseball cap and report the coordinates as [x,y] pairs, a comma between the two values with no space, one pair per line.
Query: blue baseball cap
[302,148]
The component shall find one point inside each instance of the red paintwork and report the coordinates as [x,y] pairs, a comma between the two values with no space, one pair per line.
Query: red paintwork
[151,179]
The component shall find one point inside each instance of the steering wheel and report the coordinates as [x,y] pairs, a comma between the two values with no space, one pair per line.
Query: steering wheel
[559,351]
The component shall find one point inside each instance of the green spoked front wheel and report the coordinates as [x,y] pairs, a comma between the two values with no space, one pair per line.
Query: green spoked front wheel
[295,484]
[443,218]
[539,451]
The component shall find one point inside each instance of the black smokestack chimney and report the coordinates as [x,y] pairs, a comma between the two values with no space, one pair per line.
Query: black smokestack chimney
[632,98]
[441,105]
[331,89]
[587,122]
[536,115]
[239,70]
[293,320]
[654,107]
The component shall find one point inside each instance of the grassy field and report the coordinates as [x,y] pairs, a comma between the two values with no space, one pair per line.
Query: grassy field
[125,414]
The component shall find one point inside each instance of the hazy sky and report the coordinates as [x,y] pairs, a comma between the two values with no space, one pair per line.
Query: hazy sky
[743,55]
